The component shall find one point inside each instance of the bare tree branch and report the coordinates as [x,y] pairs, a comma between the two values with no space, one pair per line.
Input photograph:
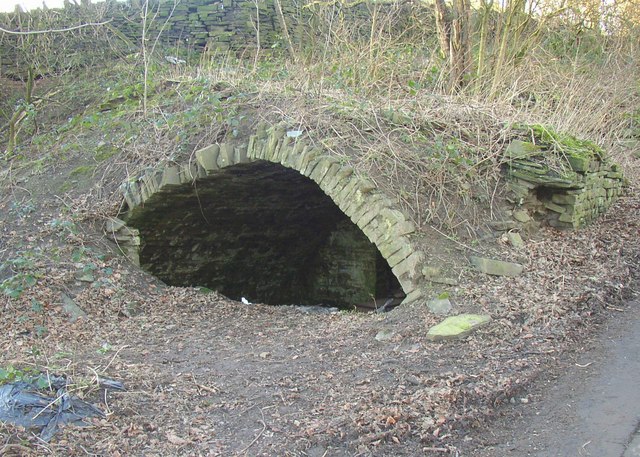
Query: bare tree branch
[36,32]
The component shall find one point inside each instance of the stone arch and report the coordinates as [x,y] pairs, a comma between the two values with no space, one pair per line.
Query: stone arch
[357,197]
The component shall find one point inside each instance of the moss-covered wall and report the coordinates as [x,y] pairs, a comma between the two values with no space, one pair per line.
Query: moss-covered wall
[345,267]
[561,180]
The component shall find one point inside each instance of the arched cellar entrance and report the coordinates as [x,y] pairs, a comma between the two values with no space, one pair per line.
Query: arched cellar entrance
[272,220]
[264,232]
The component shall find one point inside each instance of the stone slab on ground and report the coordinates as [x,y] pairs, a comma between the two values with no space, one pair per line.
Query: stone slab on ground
[515,240]
[440,306]
[456,327]
[71,308]
[496,267]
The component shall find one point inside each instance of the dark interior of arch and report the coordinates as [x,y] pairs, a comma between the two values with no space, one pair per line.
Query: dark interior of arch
[263,232]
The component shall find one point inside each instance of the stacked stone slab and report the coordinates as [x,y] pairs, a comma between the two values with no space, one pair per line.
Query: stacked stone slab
[566,188]
[357,197]
[126,238]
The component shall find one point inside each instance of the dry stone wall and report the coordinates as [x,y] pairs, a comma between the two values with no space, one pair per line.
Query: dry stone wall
[215,25]
[567,191]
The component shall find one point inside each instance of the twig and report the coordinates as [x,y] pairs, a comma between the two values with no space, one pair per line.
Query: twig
[264,427]
[36,32]
[212,390]
[14,447]
[456,241]
[104,370]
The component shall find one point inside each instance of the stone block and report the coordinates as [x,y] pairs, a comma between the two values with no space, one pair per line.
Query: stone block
[290,159]
[308,159]
[152,180]
[580,163]
[113,224]
[240,154]
[502,226]
[328,181]
[521,215]
[371,231]
[225,157]
[365,210]
[336,184]
[518,190]
[251,146]
[570,218]
[308,168]
[343,198]
[405,228]
[145,194]
[397,257]
[321,169]
[189,172]
[387,249]
[261,131]
[170,177]
[357,200]
[496,267]
[555,207]
[207,158]
[359,194]
[411,266]
[600,192]
[407,283]
[279,139]
[515,240]
[412,295]
[441,306]
[565,199]
[456,327]
[518,149]
[132,194]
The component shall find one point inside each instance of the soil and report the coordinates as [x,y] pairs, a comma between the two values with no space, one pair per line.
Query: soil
[587,404]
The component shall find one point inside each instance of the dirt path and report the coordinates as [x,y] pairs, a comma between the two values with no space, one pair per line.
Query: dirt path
[588,406]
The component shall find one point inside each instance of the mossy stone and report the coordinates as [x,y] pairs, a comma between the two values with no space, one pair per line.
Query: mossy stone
[456,327]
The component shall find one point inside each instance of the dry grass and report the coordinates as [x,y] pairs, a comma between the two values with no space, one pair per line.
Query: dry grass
[371,93]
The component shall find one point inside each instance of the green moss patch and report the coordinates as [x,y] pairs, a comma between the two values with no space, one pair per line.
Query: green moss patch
[83,170]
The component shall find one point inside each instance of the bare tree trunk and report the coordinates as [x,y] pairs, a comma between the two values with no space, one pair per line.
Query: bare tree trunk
[443,24]
[454,37]
[483,43]
[285,30]
[145,60]
[460,45]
